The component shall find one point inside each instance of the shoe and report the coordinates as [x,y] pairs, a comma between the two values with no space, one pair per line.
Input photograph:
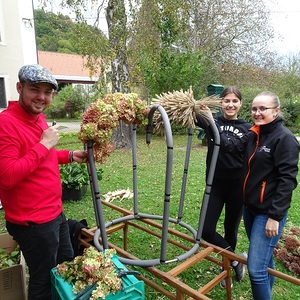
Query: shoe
[240,268]
[223,281]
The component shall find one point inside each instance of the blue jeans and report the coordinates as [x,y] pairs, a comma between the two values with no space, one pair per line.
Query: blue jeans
[260,254]
[43,246]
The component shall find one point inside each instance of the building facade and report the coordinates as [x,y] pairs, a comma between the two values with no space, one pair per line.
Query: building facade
[17,44]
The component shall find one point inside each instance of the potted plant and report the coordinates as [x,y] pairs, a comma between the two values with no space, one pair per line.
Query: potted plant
[75,179]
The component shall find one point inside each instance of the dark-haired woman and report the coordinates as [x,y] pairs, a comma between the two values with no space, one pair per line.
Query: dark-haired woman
[227,185]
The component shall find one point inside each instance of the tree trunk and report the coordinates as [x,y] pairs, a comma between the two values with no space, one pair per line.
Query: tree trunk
[121,136]
[116,23]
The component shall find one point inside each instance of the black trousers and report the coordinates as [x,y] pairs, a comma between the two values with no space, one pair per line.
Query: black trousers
[228,193]
[43,246]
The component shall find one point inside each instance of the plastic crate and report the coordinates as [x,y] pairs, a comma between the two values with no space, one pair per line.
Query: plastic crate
[133,288]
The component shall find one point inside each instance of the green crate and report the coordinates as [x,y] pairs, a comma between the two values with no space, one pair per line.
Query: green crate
[133,289]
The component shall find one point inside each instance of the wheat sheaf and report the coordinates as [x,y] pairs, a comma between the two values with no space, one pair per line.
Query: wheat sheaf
[181,108]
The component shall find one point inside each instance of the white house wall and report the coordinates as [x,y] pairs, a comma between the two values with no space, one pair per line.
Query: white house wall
[18,45]
[27,29]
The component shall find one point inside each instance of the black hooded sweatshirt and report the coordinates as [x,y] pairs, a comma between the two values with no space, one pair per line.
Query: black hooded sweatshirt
[229,165]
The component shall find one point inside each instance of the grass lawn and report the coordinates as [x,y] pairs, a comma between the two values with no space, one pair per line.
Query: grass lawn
[151,165]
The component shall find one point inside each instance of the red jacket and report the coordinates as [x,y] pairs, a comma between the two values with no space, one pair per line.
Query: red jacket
[30,186]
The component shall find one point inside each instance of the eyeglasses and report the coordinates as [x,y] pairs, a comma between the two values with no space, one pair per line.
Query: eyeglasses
[261,109]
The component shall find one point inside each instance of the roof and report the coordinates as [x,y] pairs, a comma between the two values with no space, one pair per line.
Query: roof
[68,68]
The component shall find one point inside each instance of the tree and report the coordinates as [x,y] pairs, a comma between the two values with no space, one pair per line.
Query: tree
[116,53]
[59,33]
[54,32]
[287,86]
[116,21]
[161,32]
[117,32]
[227,30]
[177,43]
[201,37]
[161,57]
[69,102]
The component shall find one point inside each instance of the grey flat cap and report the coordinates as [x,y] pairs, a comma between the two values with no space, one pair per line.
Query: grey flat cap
[36,74]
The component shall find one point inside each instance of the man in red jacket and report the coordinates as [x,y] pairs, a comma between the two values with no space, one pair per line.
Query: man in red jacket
[30,186]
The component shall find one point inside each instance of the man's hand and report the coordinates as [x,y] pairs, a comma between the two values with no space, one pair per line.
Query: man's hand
[80,156]
[50,137]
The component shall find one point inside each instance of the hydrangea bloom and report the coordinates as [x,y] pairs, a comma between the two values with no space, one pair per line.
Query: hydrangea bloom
[102,116]
[93,267]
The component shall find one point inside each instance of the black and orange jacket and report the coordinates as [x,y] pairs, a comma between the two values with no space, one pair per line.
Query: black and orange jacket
[270,167]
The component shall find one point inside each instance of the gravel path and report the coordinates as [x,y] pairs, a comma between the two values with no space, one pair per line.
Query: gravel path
[68,126]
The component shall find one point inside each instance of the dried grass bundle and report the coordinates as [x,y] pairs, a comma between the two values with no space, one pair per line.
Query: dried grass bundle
[181,108]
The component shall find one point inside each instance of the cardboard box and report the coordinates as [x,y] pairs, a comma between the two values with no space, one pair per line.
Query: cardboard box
[12,279]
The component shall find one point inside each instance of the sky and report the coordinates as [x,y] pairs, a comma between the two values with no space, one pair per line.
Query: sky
[286,23]
[285,18]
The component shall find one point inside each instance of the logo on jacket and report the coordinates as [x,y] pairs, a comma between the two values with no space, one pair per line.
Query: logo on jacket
[263,149]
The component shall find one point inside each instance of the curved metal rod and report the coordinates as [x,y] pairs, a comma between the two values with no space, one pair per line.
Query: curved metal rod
[185,173]
[149,262]
[168,178]
[165,218]
[96,240]
[96,194]
[91,185]
[210,177]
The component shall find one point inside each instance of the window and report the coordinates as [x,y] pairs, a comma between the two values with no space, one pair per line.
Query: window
[2,93]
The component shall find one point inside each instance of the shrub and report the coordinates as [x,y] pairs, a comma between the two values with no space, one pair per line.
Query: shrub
[75,175]
[68,102]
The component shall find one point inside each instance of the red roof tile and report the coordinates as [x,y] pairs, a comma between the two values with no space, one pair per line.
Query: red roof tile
[63,65]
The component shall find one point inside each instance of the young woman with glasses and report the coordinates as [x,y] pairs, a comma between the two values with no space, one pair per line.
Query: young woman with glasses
[270,170]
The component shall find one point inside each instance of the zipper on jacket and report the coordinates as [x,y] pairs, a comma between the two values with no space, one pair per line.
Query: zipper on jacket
[262,192]
[256,130]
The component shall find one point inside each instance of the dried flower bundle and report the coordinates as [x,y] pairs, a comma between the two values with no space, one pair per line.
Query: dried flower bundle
[93,267]
[181,108]
[102,116]
[288,250]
